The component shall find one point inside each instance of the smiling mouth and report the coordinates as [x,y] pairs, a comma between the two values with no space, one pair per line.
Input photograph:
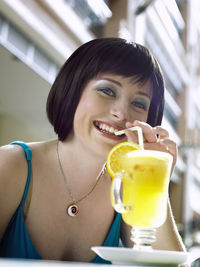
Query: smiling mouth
[107,129]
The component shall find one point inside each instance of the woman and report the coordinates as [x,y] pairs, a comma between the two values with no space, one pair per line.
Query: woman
[107,84]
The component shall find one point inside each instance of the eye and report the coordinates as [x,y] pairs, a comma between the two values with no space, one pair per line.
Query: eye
[107,91]
[140,104]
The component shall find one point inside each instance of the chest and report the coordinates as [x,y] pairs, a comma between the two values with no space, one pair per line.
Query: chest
[58,236]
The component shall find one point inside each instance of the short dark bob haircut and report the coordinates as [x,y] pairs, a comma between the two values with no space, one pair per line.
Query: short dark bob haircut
[105,55]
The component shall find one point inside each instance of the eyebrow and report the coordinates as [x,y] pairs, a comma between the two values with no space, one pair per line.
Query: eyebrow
[144,94]
[113,81]
[119,84]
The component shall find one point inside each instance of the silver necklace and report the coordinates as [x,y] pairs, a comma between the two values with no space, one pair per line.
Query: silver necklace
[72,209]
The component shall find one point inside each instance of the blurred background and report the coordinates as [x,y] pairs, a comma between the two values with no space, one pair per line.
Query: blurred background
[37,36]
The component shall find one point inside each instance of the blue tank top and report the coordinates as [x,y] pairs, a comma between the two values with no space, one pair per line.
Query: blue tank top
[16,242]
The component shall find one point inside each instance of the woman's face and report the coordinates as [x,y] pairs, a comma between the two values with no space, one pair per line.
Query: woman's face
[106,104]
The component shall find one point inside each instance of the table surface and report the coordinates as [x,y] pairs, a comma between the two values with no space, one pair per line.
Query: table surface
[45,263]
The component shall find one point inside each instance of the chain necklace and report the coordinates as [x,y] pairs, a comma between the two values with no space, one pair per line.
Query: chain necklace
[72,209]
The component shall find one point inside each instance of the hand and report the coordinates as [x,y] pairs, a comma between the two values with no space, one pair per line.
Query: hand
[155,138]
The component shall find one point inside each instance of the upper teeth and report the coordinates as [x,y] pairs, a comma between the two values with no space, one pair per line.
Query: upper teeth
[106,128]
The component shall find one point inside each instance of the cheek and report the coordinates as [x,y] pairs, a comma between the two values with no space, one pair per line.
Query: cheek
[84,112]
[90,104]
[139,116]
[145,115]
[85,108]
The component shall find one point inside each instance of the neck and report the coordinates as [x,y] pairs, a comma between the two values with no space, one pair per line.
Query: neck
[79,184]
[78,164]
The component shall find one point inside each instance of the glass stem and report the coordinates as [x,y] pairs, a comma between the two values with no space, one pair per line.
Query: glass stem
[143,237]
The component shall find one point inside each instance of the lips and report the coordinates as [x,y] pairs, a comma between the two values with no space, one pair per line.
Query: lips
[108,130]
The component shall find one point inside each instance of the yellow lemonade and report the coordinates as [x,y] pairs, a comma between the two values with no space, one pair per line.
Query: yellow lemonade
[145,187]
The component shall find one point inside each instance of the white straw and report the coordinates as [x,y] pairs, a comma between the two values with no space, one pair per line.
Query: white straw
[139,131]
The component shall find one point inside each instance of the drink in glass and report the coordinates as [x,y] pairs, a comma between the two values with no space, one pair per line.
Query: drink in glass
[140,192]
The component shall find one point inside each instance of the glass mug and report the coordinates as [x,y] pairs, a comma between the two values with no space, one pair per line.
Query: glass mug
[140,193]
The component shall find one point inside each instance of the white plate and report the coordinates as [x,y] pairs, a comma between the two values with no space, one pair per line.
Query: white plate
[141,258]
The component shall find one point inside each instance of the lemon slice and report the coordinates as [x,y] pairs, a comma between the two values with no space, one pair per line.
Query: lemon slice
[113,162]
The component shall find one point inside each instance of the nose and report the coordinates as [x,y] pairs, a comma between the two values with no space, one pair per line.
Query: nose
[120,112]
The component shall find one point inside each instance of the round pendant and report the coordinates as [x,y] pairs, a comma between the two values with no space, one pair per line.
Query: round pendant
[72,210]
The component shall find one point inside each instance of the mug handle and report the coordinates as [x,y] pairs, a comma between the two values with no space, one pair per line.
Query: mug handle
[116,201]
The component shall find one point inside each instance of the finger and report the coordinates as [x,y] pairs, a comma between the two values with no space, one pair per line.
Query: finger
[171,148]
[148,132]
[155,146]
[170,145]
[161,132]
[132,135]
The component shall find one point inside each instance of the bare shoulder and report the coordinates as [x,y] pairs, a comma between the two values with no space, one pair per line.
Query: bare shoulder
[11,160]
[13,165]
[13,175]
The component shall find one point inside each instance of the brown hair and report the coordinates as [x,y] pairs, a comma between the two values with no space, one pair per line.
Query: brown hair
[104,55]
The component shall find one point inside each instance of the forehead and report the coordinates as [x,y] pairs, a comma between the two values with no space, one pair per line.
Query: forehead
[123,82]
